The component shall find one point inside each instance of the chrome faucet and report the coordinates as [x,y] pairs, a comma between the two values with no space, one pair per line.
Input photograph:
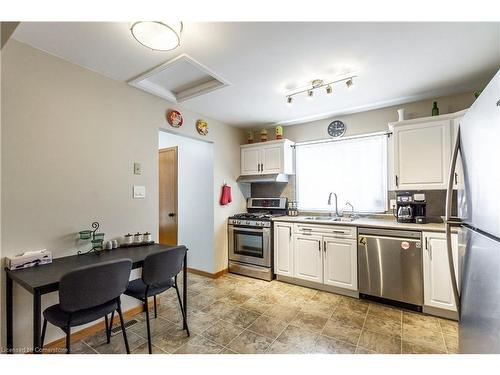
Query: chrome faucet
[336,204]
[352,207]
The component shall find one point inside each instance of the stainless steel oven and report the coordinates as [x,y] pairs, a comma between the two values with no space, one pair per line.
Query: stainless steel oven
[250,245]
[250,238]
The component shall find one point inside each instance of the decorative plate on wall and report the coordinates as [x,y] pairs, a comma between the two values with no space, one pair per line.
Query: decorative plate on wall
[174,118]
[336,129]
[202,127]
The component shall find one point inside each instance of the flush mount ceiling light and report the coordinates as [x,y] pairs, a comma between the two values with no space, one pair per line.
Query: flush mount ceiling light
[157,35]
[319,83]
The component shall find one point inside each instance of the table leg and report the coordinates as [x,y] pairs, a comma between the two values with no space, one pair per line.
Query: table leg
[184,290]
[9,315]
[36,322]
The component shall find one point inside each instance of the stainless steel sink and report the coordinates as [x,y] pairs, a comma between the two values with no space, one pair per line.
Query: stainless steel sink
[322,218]
[330,218]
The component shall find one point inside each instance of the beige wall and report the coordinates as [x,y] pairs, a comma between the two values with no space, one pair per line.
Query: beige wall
[70,138]
[374,120]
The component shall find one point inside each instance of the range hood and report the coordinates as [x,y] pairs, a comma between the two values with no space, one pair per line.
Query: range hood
[270,177]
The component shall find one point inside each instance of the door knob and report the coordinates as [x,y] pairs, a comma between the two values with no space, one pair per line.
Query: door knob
[171,214]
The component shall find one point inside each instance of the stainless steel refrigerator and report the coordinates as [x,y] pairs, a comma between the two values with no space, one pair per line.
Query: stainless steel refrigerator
[478,224]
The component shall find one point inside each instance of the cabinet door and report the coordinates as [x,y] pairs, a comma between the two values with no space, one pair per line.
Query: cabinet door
[340,263]
[422,155]
[272,159]
[283,249]
[308,258]
[250,160]
[438,290]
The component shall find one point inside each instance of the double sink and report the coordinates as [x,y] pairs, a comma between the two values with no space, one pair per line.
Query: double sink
[330,218]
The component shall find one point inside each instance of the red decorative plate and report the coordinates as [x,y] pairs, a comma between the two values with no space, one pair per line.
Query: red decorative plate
[174,118]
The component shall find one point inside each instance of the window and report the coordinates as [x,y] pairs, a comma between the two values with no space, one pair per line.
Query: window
[354,169]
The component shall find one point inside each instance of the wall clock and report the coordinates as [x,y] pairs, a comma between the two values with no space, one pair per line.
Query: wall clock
[336,129]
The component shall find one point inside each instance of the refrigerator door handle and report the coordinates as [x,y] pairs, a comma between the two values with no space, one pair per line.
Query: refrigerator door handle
[454,279]
[451,174]
[448,218]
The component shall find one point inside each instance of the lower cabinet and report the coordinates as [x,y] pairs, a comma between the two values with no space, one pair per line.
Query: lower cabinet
[438,290]
[340,264]
[283,249]
[326,255]
[308,258]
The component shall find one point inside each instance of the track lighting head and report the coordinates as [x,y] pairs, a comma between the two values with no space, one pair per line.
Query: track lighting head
[310,94]
[289,100]
[329,89]
[349,83]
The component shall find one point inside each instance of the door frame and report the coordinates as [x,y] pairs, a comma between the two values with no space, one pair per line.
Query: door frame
[176,203]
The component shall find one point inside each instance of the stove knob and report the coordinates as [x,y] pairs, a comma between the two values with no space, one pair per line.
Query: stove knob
[248,222]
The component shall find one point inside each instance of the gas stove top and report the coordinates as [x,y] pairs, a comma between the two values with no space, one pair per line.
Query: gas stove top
[260,212]
[253,219]
[255,215]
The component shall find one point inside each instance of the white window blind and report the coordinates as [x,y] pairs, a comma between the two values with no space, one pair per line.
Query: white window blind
[354,169]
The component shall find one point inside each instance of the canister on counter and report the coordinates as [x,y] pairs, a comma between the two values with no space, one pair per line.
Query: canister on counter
[137,237]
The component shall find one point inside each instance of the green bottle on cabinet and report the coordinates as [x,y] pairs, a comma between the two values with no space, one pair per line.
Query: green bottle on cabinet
[435,109]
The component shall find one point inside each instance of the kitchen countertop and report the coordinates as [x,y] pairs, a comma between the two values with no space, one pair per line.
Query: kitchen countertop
[388,222]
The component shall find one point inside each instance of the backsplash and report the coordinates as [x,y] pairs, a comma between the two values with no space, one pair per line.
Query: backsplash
[274,189]
[436,199]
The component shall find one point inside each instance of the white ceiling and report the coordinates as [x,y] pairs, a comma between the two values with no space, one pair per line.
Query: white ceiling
[395,62]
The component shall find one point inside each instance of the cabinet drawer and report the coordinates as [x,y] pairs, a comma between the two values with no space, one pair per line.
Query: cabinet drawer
[327,230]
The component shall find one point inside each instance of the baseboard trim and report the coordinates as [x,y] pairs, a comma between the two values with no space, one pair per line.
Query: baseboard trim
[87,331]
[310,284]
[442,313]
[208,274]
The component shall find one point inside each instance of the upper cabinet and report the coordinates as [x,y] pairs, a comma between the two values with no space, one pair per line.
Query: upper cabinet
[421,152]
[267,157]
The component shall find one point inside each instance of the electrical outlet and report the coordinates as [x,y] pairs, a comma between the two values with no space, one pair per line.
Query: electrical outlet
[137,168]
[392,204]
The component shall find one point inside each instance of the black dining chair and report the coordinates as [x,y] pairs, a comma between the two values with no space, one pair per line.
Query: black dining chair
[159,273]
[87,294]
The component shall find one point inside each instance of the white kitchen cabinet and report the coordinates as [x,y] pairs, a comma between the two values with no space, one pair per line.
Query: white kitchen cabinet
[421,154]
[250,161]
[283,249]
[340,263]
[308,258]
[438,290]
[325,254]
[267,157]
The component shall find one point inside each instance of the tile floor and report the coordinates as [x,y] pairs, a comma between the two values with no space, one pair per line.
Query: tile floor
[235,314]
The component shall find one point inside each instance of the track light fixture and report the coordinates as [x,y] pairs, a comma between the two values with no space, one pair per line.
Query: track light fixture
[318,83]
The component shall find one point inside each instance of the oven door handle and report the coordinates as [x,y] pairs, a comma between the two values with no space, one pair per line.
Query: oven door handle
[240,229]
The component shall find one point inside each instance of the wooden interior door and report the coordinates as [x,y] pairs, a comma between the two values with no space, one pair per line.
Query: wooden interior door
[167,164]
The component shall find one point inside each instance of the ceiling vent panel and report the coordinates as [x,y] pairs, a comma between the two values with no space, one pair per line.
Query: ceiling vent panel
[179,79]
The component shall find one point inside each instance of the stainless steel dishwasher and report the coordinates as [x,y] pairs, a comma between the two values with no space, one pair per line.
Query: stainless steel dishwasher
[390,265]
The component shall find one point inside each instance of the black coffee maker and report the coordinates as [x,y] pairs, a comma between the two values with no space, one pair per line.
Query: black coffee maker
[410,208]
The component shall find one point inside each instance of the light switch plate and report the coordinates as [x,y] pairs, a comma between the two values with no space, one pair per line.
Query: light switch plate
[137,168]
[139,192]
